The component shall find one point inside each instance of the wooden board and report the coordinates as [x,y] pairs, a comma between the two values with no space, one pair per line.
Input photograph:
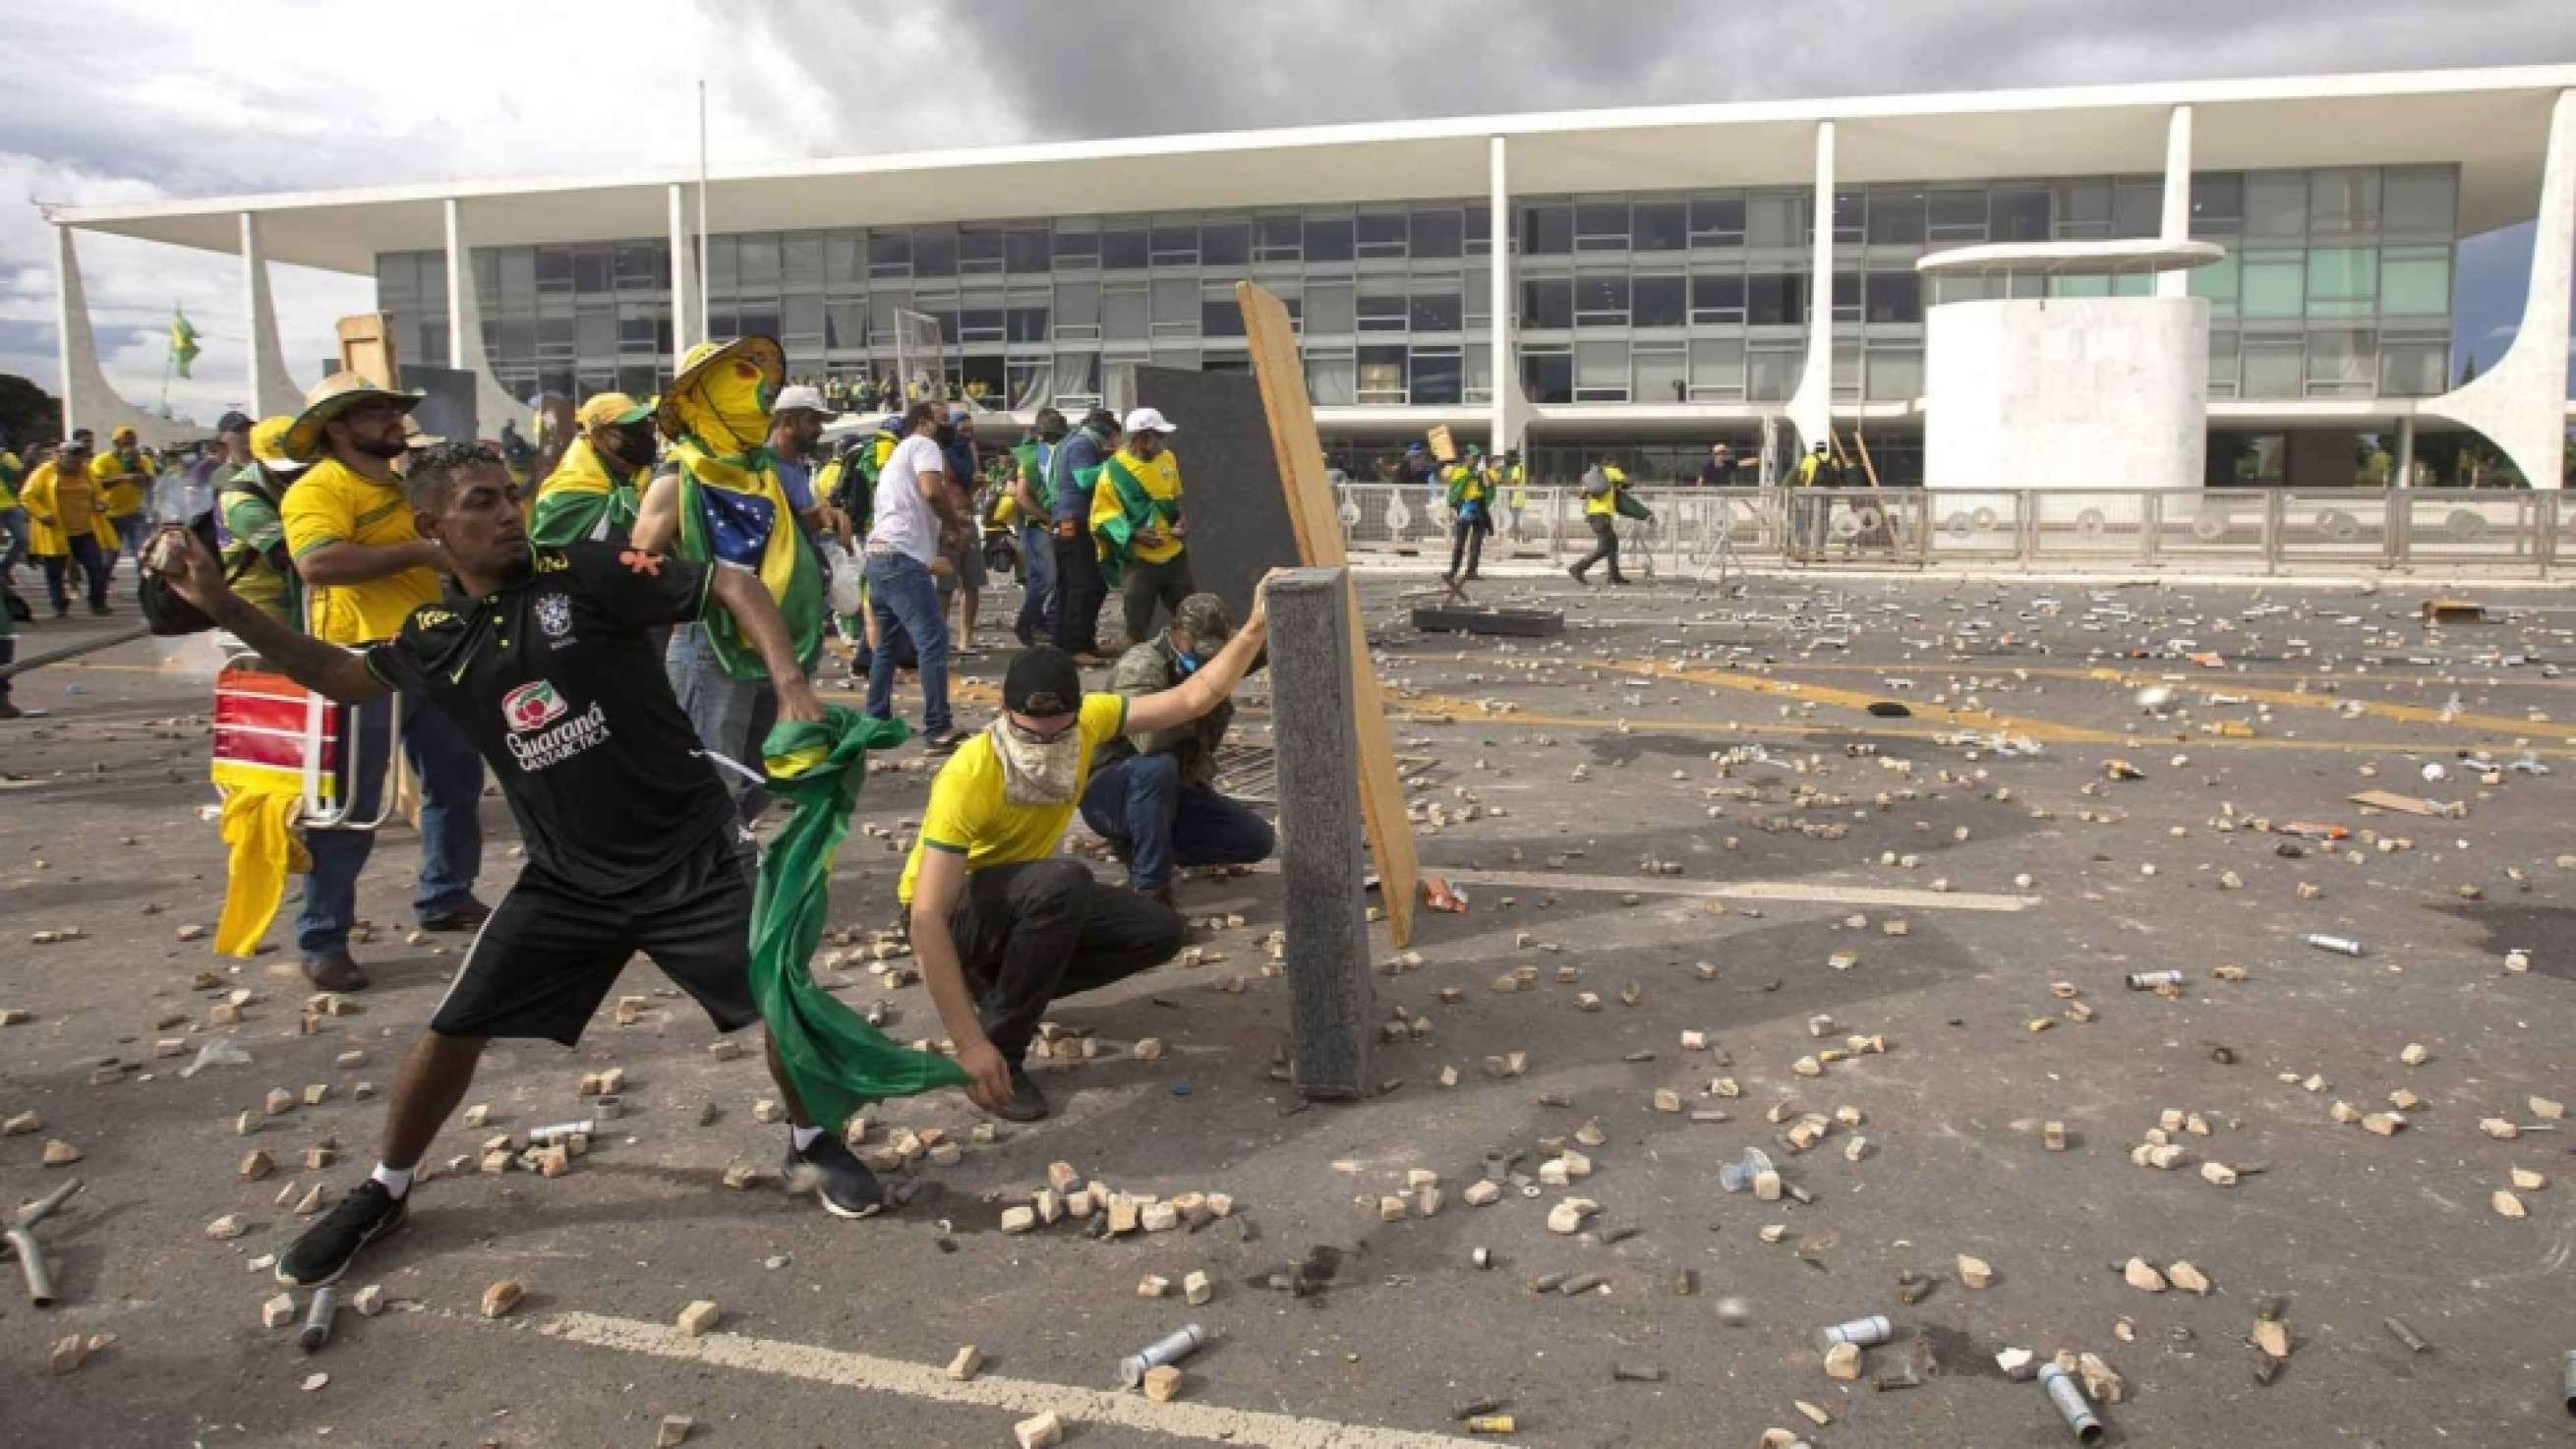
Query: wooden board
[1443,446]
[1318,526]
[367,350]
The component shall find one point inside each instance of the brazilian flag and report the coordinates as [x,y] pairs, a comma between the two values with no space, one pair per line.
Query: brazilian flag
[837,1063]
[183,342]
[737,514]
[1120,509]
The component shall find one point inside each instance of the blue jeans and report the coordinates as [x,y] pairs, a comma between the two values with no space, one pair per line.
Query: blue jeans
[731,716]
[902,596]
[13,551]
[451,836]
[1037,582]
[1140,806]
[133,531]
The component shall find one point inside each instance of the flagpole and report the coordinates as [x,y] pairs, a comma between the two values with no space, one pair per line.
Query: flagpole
[702,209]
[167,351]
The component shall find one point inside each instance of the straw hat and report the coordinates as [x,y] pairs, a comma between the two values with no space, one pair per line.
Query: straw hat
[756,351]
[329,398]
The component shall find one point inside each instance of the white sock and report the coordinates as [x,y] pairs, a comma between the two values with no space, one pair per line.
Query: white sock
[804,1136]
[397,1180]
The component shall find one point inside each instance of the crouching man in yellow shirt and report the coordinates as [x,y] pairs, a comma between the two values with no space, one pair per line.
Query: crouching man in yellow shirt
[1003,924]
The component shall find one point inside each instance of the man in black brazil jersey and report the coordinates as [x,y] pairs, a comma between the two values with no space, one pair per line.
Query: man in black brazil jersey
[545,657]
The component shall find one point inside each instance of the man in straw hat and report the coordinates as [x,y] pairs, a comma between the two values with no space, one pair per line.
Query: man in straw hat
[365,567]
[718,500]
[546,658]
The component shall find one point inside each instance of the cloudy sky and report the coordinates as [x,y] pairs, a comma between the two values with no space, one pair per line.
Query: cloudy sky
[130,99]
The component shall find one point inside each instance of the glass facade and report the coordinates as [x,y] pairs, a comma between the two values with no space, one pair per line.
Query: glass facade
[2337,284]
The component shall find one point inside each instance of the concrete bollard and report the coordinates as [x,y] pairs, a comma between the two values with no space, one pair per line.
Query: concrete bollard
[1322,855]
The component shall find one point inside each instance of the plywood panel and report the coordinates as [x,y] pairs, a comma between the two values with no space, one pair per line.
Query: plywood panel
[1299,456]
[1231,494]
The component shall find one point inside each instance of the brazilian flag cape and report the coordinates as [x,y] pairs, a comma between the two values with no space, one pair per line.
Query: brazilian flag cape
[1121,509]
[732,510]
[837,1063]
[580,500]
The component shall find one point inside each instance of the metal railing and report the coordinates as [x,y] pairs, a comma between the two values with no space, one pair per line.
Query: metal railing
[2213,530]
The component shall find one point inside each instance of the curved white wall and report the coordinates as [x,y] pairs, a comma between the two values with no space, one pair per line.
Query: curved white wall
[2069,392]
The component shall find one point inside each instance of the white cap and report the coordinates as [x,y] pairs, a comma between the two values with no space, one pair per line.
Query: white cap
[1148,420]
[800,396]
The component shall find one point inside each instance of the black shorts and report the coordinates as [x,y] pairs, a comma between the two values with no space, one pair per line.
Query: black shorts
[546,959]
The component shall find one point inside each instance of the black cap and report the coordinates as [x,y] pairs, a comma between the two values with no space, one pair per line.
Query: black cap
[235,421]
[1042,681]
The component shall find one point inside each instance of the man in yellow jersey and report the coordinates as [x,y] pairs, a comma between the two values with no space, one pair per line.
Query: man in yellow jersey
[13,518]
[1601,485]
[124,479]
[1004,925]
[67,527]
[365,568]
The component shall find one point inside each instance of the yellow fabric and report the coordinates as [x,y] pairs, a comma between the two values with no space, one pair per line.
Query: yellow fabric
[120,498]
[1608,502]
[57,508]
[1162,479]
[968,816]
[10,468]
[1804,474]
[332,504]
[256,830]
[726,407]
[268,440]
[582,470]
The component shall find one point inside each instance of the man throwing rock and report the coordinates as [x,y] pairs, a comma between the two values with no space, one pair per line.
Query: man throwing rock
[1003,924]
[545,658]
[1153,796]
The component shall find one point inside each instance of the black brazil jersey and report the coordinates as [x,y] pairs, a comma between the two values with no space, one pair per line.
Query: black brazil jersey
[558,683]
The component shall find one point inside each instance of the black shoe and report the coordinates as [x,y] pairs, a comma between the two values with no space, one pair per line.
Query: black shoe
[320,1256]
[10,711]
[841,1180]
[1027,1103]
[335,972]
[1577,574]
[946,740]
[467,917]
[1160,895]
[1621,581]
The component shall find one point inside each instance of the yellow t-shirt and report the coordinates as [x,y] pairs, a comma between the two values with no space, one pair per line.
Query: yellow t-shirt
[1162,479]
[1608,502]
[332,504]
[118,499]
[967,815]
[10,471]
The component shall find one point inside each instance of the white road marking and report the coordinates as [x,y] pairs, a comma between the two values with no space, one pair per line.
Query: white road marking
[1179,1420]
[1742,890]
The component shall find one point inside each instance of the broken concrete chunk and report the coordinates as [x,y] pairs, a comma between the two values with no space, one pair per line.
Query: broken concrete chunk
[2018,1364]
[2272,1336]
[968,1362]
[1197,1287]
[21,1125]
[503,1296]
[1043,1432]
[1017,1220]
[2100,1383]
[673,1432]
[369,1301]
[1842,1361]
[2507,1205]
[2499,1129]
[1153,1286]
[1482,1193]
[2142,1274]
[2528,1180]
[278,1311]
[699,1318]
[1163,1383]
[226,1228]
[1975,1272]
[59,1153]
[2218,1174]
[2414,1055]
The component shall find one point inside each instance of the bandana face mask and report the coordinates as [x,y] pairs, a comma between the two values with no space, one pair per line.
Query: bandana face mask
[1035,772]
[730,409]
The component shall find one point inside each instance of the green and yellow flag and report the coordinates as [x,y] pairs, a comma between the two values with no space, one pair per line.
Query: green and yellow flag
[183,342]
[735,511]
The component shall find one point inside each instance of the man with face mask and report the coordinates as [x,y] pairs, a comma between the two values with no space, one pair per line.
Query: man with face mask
[594,492]
[365,568]
[1154,796]
[718,499]
[1003,924]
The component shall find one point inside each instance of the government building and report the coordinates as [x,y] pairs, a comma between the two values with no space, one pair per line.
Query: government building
[2255,277]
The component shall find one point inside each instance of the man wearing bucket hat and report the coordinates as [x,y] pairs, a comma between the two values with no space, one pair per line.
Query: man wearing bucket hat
[718,499]
[365,568]
[592,494]
[250,523]
[1153,794]
[1136,516]
[66,526]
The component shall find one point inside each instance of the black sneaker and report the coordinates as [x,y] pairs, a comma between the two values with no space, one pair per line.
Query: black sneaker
[841,1180]
[944,741]
[320,1256]
[1027,1103]
[467,917]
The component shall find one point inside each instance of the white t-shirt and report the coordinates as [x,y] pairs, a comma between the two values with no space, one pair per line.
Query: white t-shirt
[905,522]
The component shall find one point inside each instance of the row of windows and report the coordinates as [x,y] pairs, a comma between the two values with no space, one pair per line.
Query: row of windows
[2264,206]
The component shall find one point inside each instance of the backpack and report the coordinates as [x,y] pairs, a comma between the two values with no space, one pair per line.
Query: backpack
[1595,482]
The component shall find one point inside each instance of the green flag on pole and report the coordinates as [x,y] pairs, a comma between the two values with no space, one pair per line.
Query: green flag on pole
[183,342]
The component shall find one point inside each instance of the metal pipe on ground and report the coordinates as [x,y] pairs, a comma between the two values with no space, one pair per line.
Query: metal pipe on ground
[72,651]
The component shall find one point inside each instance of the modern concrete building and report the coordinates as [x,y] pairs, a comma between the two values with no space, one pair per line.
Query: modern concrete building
[1668,277]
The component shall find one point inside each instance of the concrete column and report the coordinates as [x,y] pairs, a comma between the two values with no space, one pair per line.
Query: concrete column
[493,404]
[681,316]
[2177,218]
[2405,473]
[2520,404]
[1322,856]
[272,388]
[1811,407]
[1499,199]
[89,399]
